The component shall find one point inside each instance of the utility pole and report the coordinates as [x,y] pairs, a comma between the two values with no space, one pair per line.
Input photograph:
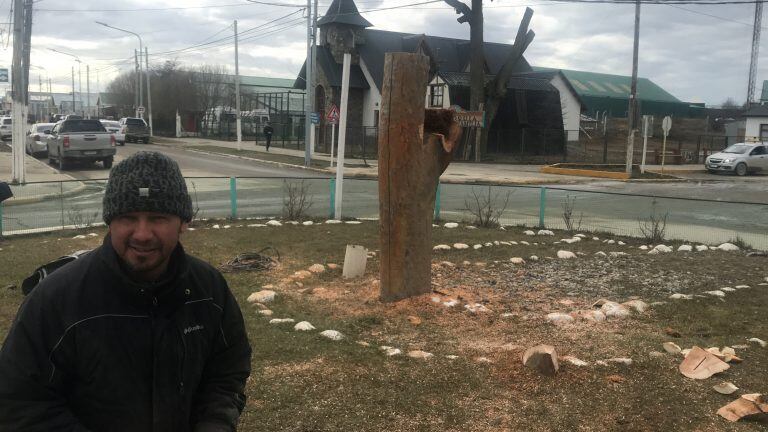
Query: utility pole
[755,50]
[17,109]
[141,85]
[80,82]
[149,92]
[633,95]
[308,99]
[88,89]
[238,119]
[138,89]
[313,99]
[73,90]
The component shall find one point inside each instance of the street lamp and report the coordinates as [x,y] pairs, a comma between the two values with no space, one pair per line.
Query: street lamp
[141,50]
[79,81]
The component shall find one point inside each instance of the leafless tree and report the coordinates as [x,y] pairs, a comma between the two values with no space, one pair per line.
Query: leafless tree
[296,200]
[486,209]
[654,227]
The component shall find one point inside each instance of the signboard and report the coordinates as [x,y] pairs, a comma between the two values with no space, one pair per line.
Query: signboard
[4,75]
[140,110]
[314,118]
[474,119]
[333,114]
[666,125]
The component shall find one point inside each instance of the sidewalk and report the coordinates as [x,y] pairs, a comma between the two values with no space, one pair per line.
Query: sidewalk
[43,181]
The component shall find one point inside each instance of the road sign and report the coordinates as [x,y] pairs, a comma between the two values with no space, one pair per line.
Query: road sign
[314,118]
[140,110]
[470,118]
[4,75]
[666,124]
[333,114]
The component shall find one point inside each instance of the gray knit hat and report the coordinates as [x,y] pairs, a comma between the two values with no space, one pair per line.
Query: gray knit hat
[147,181]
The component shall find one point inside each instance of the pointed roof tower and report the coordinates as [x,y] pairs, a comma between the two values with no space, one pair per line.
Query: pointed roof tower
[343,12]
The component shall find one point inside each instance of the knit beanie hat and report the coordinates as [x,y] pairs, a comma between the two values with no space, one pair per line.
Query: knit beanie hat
[147,181]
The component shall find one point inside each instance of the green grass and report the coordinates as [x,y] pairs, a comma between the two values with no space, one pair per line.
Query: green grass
[302,382]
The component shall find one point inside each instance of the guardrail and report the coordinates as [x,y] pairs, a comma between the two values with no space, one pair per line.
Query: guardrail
[38,207]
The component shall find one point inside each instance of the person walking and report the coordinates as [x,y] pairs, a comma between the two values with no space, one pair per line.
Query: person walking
[136,335]
[268,131]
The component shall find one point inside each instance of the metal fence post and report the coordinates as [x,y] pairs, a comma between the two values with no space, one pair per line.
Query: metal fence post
[1,219]
[437,201]
[61,202]
[233,196]
[542,205]
[332,210]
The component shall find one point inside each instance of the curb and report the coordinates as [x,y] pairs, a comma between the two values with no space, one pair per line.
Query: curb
[39,198]
[280,164]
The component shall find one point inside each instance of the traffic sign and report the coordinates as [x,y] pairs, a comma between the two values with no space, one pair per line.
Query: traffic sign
[140,110]
[314,118]
[666,124]
[333,114]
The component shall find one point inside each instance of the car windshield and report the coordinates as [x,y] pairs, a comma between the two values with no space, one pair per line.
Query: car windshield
[737,149]
[82,126]
[44,127]
[135,122]
[7,121]
[112,124]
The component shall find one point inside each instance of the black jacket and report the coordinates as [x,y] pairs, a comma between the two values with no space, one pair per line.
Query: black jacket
[90,350]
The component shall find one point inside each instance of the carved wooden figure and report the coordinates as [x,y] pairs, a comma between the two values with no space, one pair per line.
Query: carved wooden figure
[415,148]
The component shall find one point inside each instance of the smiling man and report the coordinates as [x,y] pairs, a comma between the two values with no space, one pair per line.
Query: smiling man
[136,335]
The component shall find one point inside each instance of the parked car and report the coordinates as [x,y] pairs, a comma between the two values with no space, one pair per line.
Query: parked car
[134,129]
[37,139]
[113,126]
[739,158]
[6,128]
[80,140]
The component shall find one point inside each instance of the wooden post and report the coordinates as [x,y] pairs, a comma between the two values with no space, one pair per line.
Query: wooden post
[412,155]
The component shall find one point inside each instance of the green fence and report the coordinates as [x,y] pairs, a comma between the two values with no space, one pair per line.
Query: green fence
[39,207]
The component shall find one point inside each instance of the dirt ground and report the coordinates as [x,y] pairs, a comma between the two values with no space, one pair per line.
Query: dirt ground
[303,382]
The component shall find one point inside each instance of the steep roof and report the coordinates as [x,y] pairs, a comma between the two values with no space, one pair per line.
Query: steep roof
[757,111]
[451,55]
[612,86]
[343,12]
[333,71]
[462,79]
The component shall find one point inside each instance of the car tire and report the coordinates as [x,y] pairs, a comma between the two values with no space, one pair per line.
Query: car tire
[145,140]
[741,169]
[108,162]
[711,171]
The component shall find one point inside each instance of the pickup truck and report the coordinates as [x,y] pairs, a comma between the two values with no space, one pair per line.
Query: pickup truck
[134,130]
[80,140]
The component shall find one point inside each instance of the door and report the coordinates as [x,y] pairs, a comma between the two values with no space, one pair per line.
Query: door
[758,158]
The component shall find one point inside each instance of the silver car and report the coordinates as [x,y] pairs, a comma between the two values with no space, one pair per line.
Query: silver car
[36,139]
[740,158]
[6,128]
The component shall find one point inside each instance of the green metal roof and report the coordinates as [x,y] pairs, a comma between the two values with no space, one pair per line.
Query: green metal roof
[764,94]
[612,86]
[267,82]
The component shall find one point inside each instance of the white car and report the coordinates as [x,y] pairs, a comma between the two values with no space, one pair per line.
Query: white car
[6,128]
[37,137]
[739,158]
[113,126]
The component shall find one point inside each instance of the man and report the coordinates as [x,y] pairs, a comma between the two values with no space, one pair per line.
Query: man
[268,131]
[134,336]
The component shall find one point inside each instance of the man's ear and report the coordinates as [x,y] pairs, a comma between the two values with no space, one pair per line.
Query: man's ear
[183,228]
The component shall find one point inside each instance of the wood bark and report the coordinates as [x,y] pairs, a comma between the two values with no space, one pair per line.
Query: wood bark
[412,155]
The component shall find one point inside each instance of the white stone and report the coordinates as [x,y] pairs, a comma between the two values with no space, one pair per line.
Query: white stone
[264,296]
[497,243]
[476,308]
[255,225]
[617,254]
[614,310]
[488,244]
[304,326]
[563,254]
[525,243]
[460,246]
[333,221]
[389,352]
[517,260]
[291,223]
[441,247]
[470,227]
[741,286]
[575,361]
[92,235]
[451,303]
[316,268]
[216,226]
[506,243]
[760,342]
[600,253]
[477,246]
[451,225]
[679,296]
[596,238]
[265,312]
[533,258]
[702,248]
[353,222]
[728,247]
[332,335]
[78,237]
[274,223]
[685,248]
[638,306]
[643,247]
[418,354]
[451,357]
[671,348]
[715,293]
[545,232]
[570,240]
[307,223]
[621,360]
[281,320]
[558,318]
[611,242]
[580,236]
[529,233]
[727,289]
[663,248]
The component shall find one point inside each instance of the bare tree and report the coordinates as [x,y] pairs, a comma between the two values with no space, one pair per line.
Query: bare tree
[486,209]
[491,94]
[296,200]
[211,87]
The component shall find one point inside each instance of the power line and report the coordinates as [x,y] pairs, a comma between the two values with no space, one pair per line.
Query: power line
[145,9]
[663,2]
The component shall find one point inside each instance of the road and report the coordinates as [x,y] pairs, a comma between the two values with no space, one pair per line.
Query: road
[597,206]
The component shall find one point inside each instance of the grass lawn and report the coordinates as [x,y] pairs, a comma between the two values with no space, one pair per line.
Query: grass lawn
[303,382]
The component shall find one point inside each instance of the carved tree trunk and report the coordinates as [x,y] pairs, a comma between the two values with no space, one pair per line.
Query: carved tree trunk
[411,159]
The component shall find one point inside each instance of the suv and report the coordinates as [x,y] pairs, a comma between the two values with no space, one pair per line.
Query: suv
[6,128]
[134,130]
[739,158]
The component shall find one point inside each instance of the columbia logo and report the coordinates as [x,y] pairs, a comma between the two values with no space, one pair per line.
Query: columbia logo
[189,330]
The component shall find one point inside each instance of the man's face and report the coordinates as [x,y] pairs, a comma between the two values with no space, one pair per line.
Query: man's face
[145,241]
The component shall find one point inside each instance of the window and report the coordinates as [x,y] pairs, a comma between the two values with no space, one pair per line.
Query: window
[759,150]
[375,118]
[436,96]
[69,126]
[764,132]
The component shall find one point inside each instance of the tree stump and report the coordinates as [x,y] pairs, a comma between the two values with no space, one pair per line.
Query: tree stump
[415,148]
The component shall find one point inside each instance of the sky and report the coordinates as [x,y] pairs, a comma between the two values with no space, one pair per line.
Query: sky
[699,53]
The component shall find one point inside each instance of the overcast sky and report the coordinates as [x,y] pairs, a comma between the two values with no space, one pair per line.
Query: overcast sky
[697,53]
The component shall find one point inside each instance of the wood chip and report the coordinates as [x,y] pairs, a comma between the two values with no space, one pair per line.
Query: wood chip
[700,364]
